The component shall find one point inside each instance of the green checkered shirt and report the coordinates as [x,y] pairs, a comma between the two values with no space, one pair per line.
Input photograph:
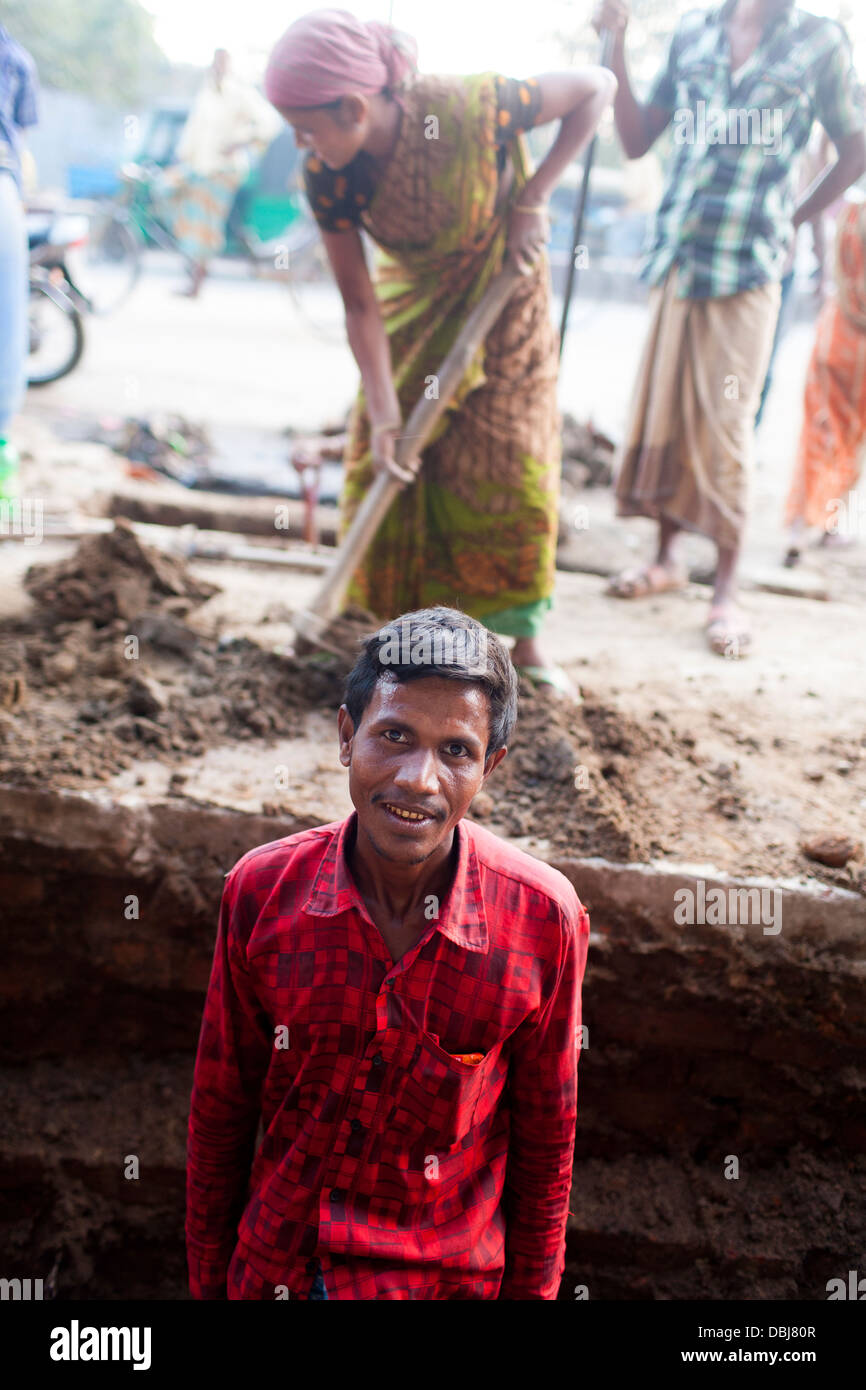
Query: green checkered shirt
[725,216]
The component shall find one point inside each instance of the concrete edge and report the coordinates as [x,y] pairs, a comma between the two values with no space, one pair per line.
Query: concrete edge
[805,906]
[111,827]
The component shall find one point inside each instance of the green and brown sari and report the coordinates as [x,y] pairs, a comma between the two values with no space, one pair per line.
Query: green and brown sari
[477,529]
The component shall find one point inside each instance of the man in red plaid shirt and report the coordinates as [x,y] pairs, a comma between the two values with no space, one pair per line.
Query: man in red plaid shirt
[396,998]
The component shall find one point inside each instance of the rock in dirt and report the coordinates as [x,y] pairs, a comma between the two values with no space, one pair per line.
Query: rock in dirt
[61,667]
[831,849]
[112,576]
[146,696]
[13,691]
[587,454]
[167,633]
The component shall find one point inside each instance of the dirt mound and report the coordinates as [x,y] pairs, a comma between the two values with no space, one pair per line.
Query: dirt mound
[120,661]
[107,670]
[113,576]
[571,778]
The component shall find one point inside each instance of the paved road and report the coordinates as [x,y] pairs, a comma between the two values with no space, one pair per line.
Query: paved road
[248,363]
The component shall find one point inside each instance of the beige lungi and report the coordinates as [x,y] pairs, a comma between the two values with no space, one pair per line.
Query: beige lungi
[688,450]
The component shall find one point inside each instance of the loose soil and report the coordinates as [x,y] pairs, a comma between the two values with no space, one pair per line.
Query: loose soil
[589,779]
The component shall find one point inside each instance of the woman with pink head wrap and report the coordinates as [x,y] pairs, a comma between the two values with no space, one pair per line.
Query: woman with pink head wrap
[329,53]
[436,171]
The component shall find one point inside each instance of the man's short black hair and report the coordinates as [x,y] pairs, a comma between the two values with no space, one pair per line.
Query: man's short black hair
[438,642]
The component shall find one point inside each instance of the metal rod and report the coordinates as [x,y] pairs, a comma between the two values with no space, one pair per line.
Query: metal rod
[607,38]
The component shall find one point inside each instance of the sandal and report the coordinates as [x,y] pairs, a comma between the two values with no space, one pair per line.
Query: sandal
[638,583]
[726,639]
[552,676]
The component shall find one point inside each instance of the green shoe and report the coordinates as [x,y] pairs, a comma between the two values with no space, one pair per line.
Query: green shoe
[9,462]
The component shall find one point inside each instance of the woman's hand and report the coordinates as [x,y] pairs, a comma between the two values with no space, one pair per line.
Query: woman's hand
[528,232]
[383,443]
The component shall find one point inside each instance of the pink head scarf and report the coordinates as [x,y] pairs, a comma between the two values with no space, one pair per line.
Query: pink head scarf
[329,53]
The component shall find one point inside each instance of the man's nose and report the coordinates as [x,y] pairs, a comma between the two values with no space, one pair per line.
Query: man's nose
[418,773]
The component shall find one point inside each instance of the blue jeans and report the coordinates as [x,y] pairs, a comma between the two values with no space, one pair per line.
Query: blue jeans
[14,294]
[318,1291]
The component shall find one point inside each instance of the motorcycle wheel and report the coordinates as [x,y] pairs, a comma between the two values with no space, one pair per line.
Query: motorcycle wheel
[52,316]
[106,269]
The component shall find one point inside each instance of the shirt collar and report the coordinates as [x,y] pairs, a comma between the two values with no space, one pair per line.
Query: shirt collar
[461,916]
[720,14]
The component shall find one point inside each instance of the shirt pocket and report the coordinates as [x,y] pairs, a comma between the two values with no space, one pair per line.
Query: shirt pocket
[438,1096]
[782,95]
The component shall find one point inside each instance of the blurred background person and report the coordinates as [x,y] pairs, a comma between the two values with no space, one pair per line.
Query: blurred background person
[18,94]
[722,238]
[229,122]
[833,436]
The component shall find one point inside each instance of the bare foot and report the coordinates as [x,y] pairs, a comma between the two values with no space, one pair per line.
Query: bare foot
[728,633]
[527,652]
[650,579]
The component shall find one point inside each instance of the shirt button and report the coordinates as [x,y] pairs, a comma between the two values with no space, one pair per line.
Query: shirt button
[356,1125]
[378,1060]
[335,1194]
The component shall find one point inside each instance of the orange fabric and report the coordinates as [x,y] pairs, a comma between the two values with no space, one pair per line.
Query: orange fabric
[834,422]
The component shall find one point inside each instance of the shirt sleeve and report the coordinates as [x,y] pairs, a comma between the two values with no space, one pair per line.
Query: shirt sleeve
[663,91]
[234,1053]
[261,119]
[837,91]
[543,1083]
[335,196]
[518,104]
[26,110]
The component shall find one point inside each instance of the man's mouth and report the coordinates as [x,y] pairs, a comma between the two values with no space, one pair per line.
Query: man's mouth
[407,814]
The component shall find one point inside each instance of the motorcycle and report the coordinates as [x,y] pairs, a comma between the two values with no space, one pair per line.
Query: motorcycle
[56,307]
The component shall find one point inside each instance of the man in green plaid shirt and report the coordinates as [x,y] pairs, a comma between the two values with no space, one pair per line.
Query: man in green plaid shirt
[742,85]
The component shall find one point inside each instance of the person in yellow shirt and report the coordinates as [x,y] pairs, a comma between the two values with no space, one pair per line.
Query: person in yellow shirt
[229,121]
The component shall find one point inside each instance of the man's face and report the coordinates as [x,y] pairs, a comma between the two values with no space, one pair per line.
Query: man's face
[335,135]
[415,762]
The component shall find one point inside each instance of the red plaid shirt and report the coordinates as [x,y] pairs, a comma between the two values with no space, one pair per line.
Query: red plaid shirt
[407,1173]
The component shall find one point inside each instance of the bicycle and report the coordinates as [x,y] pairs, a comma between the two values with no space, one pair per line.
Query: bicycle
[111,263]
[55,323]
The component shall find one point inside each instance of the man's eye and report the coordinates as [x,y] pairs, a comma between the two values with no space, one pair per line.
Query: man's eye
[393,735]
[454,750]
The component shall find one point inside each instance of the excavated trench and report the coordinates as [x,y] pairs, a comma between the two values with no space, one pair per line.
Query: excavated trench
[705,1044]
[711,1050]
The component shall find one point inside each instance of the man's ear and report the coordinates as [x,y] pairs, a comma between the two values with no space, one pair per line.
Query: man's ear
[346,731]
[493,760]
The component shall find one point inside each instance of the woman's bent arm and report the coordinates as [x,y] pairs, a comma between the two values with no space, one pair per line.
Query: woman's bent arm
[364,327]
[579,99]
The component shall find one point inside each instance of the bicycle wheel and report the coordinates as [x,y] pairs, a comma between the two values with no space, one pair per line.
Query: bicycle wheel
[105,269]
[56,333]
